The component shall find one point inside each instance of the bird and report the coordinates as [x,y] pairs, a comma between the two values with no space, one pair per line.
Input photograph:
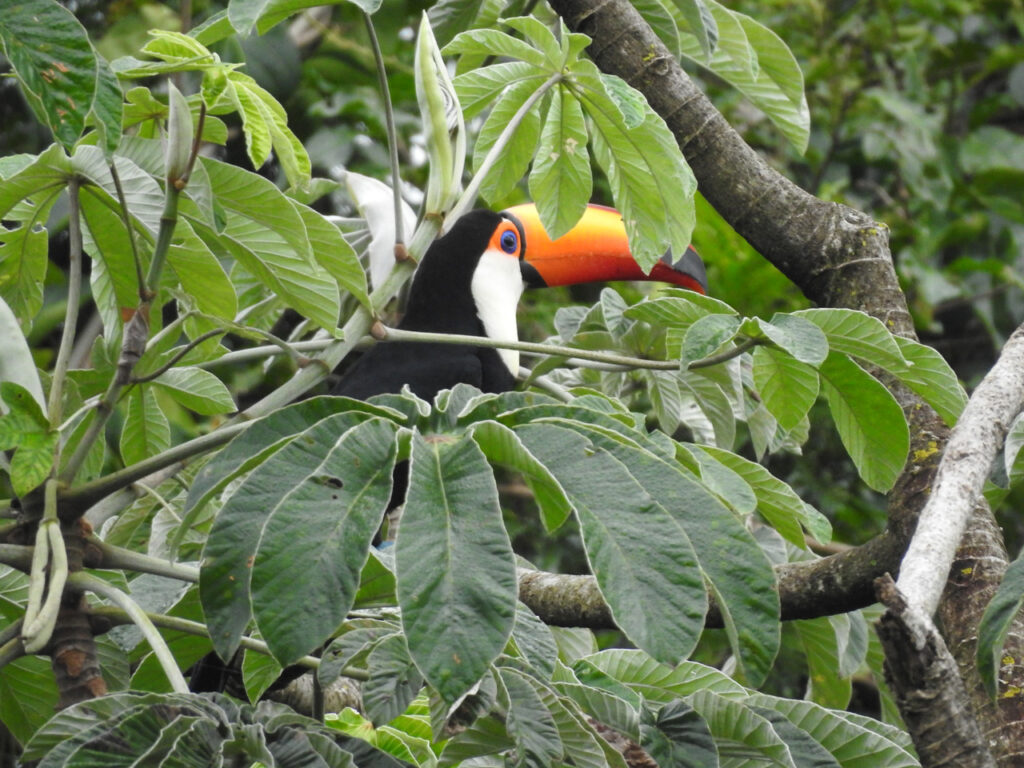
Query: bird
[470,281]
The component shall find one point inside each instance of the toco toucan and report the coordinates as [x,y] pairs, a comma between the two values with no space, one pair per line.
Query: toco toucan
[469,282]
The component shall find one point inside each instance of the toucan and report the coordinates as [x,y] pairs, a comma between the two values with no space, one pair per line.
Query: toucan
[469,282]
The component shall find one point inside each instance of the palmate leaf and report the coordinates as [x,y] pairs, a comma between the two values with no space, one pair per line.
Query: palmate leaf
[519,151]
[457,581]
[640,555]
[226,573]
[316,539]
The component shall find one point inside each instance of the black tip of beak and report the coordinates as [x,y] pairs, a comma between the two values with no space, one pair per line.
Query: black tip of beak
[690,264]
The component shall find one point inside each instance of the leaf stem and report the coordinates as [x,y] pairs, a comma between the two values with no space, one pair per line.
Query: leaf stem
[184,350]
[724,356]
[86,581]
[120,558]
[389,119]
[551,350]
[494,154]
[126,219]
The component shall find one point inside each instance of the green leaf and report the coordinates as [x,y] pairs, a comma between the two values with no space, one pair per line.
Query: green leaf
[493,42]
[561,182]
[995,625]
[701,24]
[457,582]
[265,124]
[779,505]
[870,422]
[314,542]
[756,62]
[678,736]
[267,235]
[334,254]
[930,376]
[28,696]
[741,732]
[708,335]
[197,390]
[63,79]
[640,554]
[521,148]
[806,752]
[825,684]
[146,431]
[787,386]
[479,87]
[530,723]
[859,335]
[224,579]
[394,680]
[502,446]
[1013,459]
[645,169]
[854,740]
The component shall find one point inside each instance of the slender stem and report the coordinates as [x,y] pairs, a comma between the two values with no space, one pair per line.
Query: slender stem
[10,632]
[67,339]
[723,356]
[185,349]
[17,556]
[87,581]
[389,118]
[176,624]
[397,334]
[495,153]
[129,230]
[87,494]
[118,557]
[168,220]
[266,350]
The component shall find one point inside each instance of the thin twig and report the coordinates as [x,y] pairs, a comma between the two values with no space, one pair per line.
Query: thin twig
[129,229]
[185,349]
[86,581]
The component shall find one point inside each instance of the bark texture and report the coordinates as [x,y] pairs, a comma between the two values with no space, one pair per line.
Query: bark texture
[838,257]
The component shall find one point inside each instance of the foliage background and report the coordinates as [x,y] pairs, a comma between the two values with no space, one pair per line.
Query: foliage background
[916,118]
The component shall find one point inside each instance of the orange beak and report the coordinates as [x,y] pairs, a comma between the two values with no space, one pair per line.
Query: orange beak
[595,250]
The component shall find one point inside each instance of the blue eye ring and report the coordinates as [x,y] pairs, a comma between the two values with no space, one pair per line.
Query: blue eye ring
[509,241]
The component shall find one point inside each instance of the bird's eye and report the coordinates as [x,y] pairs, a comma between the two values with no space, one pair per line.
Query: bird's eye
[509,242]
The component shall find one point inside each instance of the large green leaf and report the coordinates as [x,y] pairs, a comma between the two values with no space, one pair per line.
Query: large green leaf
[196,389]
[394,680]
[224,579]
[457,582]
[529,721]
[638,551]
[28,695]
[854,740]
[678,736]
[314,541]
[741,732]
[859,335]
[930,376]
[146,431]
[869,420]
[727,554]
[64,80]
[646,171]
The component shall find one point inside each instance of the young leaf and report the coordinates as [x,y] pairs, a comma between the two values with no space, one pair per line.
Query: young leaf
[561,181]
[146,430]
[520,150]
[787,387]
[456,573]
[870,422]
[197,390]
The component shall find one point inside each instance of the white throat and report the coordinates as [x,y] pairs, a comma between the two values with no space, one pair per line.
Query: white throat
[497,285]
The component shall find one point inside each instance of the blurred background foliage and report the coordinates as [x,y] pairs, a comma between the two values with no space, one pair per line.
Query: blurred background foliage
[917,115]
